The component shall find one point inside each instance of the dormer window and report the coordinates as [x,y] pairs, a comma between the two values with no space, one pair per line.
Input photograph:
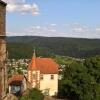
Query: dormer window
[52,77]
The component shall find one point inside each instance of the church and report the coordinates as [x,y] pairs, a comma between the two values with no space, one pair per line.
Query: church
[43,74]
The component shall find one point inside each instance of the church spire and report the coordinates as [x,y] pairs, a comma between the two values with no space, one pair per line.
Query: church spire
[34,54]
[33,62]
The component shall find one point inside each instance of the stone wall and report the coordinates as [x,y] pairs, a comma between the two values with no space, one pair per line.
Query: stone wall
[3,70]
[2,19]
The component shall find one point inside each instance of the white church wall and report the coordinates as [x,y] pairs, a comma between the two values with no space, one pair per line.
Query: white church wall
[49,85]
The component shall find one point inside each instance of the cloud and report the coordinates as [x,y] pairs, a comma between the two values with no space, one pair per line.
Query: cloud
[53,25]
[22,7]
[52,30]
[97,29]
[46,29]
[49,30]
[42,30]
[15,34]
[38,27]
[77,28]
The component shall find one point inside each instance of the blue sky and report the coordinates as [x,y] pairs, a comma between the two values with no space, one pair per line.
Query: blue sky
[62,18]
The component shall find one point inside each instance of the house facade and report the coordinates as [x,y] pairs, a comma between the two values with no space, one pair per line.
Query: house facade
[43,74]
[3,68]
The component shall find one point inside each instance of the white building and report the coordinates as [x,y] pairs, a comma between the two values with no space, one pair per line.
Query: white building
[43,74]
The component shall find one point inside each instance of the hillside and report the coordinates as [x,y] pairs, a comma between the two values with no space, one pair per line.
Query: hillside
[22,46]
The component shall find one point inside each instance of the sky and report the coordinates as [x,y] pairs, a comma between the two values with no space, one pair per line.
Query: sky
[53,18]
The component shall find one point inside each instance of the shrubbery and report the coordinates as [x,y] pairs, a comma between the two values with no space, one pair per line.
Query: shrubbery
[32,94]
[81,81]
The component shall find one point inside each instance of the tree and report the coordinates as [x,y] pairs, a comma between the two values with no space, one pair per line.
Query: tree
[32,94]
[78,83]
[93,66]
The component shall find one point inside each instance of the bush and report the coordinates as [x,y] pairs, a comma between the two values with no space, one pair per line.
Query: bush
[33,94]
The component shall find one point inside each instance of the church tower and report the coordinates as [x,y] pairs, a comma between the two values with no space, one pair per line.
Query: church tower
[3,69]
[33,72]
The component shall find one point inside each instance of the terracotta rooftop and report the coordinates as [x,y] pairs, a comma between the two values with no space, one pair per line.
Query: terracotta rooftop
[16,79]
[45,65]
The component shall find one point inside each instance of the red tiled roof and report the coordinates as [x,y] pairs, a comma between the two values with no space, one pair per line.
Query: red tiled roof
[16,78]
[45,65]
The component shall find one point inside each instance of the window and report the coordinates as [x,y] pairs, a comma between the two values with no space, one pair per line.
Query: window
[41,77]
[52,77]
[34,76]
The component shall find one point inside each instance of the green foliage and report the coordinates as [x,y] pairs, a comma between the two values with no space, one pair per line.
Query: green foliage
[22,47]
[81,81]
[93,65]
[32,94]
[62,60]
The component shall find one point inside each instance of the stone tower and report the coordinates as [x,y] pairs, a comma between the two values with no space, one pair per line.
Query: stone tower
[3,69]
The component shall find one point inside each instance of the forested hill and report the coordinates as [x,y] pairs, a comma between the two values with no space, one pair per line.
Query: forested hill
[22,46]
